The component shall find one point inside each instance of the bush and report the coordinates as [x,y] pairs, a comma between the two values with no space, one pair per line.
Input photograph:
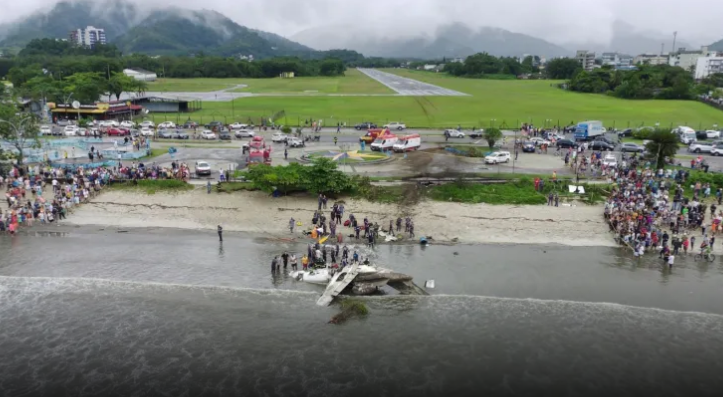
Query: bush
[151,186]
[642,134]
[286,129]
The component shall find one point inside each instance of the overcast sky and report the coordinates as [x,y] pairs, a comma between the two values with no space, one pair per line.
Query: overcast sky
[560,21]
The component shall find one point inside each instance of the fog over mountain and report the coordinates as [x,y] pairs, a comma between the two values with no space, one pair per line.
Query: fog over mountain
[572,24]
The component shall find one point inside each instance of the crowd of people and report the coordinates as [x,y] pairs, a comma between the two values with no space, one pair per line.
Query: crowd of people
[648,211]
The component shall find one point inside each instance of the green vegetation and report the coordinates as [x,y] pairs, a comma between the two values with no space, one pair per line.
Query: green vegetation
[155,152]
[484,65]
[646,82]
[662,144]
[229,187]
[150,186]
[349,307]
[492,135]
[562,68]
[18,128]
[521,191]
[497,103]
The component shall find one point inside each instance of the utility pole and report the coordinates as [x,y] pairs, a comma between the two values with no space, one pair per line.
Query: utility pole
[675,36]
[662,49]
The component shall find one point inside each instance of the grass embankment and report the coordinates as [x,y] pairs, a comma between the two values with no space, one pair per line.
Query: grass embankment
[230,187]
[514,192]
[149,186]
[155,152]
[502,103]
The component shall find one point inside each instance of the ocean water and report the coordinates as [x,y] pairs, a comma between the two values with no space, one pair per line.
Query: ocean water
[97,313]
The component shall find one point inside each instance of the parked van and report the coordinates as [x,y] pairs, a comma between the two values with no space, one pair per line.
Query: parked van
[408,143]
[384,143]
[686,134]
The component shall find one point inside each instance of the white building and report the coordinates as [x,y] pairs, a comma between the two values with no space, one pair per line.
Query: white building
[88,37]
[651,59]
[689,59]
[707,66]
[140,74]
[586,59]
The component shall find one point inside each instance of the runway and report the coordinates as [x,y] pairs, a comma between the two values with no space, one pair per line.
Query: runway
[409,87]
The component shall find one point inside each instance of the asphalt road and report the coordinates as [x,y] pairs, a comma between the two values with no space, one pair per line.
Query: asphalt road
[409,87]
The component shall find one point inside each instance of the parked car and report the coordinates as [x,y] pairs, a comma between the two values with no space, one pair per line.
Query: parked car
[167,125]
[127,124]
[610,160]
[180,135]
[224,136]
[717,149]
[477,133]
[238,126]
[70,130]
[295,142]
[566,143]
[605,139]
[700,147]
[190,124]
[108,123]
[203,168]
[454,133]
[46,130]
[528,147]
[116,132]
[626,133]
[165,134]
[601,145]
[148,123]
[702,135]
[146,131]
[629,147]
[367,125]
[712,134]
[208,134]
[539,141]
[394,125]
[244,134]
[64,122]
[214,124]
[278,137]
[497,157]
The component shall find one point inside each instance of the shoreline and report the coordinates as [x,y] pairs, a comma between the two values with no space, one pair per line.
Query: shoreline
[258,215]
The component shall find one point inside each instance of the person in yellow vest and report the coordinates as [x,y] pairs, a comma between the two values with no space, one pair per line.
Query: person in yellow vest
[554,176]
[305,262]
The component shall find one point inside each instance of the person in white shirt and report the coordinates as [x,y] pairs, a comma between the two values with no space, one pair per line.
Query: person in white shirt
[671,261]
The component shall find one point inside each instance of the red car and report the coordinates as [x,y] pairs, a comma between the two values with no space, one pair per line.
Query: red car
[117,132]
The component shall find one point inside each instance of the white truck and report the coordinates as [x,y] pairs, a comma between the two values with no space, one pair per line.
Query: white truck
[588,130]
[686,134]
[408,143]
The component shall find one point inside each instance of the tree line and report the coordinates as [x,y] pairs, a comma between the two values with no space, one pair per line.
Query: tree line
[484,65]
[645,82]
[61,58]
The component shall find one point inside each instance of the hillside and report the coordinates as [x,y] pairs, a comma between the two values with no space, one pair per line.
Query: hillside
[717,46]
[453,40]
[115,17]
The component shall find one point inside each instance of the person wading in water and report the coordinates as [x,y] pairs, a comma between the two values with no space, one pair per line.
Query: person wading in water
[220,233]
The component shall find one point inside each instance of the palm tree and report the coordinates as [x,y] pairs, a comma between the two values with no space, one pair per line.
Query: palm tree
[663,143]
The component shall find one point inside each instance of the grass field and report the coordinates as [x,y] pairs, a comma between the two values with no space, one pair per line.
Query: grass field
[353,82]
[499,103]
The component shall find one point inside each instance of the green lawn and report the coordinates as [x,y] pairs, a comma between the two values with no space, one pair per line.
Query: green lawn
[353,82]
[193,85]
[500,103]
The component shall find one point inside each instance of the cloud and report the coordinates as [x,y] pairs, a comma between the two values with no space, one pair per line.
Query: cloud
[554,20]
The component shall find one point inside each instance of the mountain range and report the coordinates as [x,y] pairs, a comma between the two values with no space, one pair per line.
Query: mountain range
[176,31]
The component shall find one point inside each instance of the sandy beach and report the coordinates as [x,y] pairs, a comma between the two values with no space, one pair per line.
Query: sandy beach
[258,213]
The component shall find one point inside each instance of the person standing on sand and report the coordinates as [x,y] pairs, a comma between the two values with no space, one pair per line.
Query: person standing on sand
[208,187]
[220,233]
[292,258]
[557,200]
[292,222]
[399,224]
[285,258]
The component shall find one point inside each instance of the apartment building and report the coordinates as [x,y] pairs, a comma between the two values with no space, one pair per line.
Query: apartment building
[89,37]
[705,66]
[689,59]
[651,59]
[586,59]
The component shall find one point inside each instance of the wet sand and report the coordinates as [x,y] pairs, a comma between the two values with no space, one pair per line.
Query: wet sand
[258,213]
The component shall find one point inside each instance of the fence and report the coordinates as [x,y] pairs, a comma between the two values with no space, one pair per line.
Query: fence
[429,123]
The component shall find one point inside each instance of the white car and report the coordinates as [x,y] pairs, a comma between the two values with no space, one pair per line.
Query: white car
[395,126]
[539,141]
[244,134]
[454,133]
[70,130]
[208,134]
[700,147]
[610,161]
[712,134]
[167,124]
[497,157]
[108,123]
[295,142]
[717,149]
[81,132]
[46,130]
[127,124]
[203,168]
[238,126]
[278,137]
[145,131]
[148,124]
